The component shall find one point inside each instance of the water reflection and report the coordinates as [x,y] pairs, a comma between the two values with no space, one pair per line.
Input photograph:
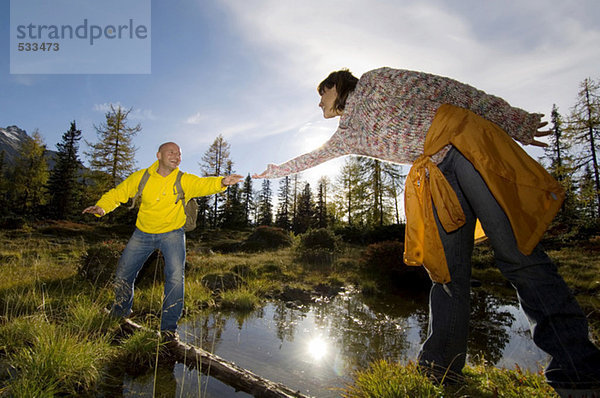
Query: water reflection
[315,347]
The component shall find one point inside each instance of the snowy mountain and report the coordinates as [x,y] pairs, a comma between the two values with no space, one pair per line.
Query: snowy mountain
[11,138]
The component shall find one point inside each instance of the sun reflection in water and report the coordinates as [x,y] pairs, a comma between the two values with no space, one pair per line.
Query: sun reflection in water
[318,348]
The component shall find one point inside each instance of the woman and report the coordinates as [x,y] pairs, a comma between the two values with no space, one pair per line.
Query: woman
[466,167]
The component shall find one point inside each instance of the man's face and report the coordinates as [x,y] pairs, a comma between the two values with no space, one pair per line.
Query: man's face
[169,156]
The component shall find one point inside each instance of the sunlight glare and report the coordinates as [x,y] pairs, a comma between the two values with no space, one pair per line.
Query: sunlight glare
[317,348]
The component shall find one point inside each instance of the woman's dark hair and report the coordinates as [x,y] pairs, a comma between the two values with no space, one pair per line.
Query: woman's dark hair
[344,83]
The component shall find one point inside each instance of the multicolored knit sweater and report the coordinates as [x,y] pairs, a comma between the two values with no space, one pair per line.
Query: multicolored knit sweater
[388,114]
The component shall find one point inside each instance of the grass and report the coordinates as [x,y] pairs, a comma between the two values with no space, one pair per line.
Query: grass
[386,379]
[55,361]
[56,340]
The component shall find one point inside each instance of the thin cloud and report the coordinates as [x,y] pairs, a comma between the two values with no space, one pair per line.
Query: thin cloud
[135,114]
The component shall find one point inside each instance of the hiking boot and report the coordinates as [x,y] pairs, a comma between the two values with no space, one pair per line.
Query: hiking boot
[169,336]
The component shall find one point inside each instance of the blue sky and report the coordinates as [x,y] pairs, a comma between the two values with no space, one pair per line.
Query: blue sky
[248,69]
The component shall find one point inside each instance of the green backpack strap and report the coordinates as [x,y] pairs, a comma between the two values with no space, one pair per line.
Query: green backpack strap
[141,186]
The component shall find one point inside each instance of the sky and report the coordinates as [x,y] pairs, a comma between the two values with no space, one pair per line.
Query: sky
[248,70]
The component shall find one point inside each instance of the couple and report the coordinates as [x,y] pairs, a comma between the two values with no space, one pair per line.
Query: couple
[466,167]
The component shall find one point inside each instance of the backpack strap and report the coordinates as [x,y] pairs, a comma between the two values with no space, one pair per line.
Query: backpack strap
[179,189]
[141,186]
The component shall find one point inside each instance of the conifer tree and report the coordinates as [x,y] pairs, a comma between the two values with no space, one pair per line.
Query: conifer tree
[265,206]
[114,153]
[584,130]
[30,176]
[247,199]
[214,163]
[561,166]
[306,211]
[587,196]
[282,218]
[394,186]
[63,188]
[349,195]
[296,182]
[321,213]
[232,215]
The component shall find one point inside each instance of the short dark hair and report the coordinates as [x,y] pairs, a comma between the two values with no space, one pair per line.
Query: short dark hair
[344,83]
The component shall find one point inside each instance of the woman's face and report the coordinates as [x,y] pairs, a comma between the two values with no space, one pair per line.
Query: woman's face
[327,100]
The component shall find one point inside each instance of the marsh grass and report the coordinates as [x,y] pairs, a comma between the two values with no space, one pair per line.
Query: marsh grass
[242,299]
[140,349]
[386,379]
[57,361]
[56,340]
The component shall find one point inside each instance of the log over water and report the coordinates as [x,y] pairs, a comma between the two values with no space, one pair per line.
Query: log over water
[217,367]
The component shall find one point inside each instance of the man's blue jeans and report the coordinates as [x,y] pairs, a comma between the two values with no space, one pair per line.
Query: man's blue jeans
[138,249]
[558,325]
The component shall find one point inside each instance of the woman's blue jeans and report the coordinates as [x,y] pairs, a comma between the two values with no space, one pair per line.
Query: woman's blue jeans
[558,325]
[140,246]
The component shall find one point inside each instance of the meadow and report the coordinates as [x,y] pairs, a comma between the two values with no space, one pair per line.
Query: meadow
[57,340]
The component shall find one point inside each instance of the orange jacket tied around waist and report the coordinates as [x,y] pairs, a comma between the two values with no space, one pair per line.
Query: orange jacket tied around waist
[529,196]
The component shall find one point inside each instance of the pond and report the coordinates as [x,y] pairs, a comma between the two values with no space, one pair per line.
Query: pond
[315,347]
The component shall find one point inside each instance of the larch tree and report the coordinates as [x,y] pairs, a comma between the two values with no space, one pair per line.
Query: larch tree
[350,192]
[214,163]
[584,131]
[30,176]
[114,153]
[561,166]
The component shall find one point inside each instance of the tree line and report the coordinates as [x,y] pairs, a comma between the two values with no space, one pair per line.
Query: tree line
[572,158]
[366,193]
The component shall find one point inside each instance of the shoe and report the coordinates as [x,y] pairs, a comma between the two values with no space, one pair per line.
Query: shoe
[169,336]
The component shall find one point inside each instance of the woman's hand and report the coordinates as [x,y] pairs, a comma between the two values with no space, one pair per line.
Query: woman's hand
[541,133]
[261,175]
[264,174]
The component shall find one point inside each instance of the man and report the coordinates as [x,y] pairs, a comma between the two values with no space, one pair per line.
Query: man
[159,225]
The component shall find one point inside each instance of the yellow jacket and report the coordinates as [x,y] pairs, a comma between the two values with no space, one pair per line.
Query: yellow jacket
[529,196]
[158,212]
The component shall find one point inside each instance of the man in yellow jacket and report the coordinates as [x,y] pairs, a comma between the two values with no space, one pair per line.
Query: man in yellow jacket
[159,225]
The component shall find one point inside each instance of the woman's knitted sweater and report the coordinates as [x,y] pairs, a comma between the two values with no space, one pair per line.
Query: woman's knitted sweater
[388,114]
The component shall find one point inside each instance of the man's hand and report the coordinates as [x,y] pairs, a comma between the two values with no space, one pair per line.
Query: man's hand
[97,210]
[231,179]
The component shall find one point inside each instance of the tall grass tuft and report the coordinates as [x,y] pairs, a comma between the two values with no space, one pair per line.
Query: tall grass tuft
[241,299]
[87,317]
[197,297]
[385,379]
[57,362]
[139,349]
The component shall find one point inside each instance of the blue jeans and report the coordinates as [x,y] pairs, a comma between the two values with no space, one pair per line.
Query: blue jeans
[558,325]
[140,246]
